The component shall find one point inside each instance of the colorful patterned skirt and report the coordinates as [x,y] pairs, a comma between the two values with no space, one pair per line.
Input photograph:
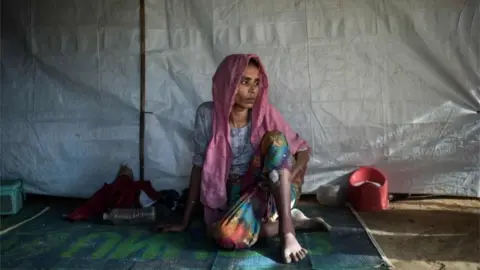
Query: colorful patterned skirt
[250,203]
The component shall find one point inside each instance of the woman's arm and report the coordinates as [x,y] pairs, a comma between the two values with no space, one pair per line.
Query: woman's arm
[302,158]
[193,194]
[201,138]
[202,135]
[193,197]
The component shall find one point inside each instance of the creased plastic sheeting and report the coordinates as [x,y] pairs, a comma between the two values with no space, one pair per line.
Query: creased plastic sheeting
[395,84]
[70,93]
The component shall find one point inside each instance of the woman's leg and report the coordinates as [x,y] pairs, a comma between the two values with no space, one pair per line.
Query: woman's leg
[292,251]
[286,191]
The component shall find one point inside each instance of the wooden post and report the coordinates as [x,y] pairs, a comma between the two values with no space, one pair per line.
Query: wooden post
[142,90]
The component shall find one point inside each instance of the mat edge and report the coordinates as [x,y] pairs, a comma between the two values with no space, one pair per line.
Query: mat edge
[371,237]
[15,226]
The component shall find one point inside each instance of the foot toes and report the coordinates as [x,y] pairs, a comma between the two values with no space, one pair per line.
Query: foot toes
[292,258]
[300,255]
[297,256]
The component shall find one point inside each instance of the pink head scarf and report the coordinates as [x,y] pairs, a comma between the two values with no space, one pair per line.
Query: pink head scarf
[265,117]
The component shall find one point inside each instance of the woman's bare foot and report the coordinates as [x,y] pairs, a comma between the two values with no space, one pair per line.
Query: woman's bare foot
[292,251]
[302,222]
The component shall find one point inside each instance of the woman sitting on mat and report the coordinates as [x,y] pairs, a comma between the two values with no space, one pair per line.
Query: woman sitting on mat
[249,164]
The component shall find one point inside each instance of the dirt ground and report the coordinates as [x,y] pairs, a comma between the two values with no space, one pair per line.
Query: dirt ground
[430,233]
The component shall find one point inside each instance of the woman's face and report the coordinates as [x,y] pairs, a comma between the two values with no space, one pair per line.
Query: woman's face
[248,87]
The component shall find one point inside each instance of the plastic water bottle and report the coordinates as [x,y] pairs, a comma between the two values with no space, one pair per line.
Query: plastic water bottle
[131,215]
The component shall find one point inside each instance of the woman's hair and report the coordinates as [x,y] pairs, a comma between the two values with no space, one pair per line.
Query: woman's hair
[254,62]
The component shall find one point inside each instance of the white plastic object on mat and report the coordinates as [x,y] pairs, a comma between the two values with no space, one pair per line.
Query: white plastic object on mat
[332,195]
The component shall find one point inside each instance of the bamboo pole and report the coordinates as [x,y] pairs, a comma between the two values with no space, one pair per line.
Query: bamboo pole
[142,90]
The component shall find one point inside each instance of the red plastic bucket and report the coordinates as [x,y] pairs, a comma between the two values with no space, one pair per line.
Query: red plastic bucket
[368,190]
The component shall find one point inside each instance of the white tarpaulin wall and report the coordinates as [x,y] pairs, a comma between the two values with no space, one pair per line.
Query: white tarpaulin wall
[394,84]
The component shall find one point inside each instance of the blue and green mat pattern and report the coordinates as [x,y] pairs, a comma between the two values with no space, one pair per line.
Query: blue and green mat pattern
[50,242]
